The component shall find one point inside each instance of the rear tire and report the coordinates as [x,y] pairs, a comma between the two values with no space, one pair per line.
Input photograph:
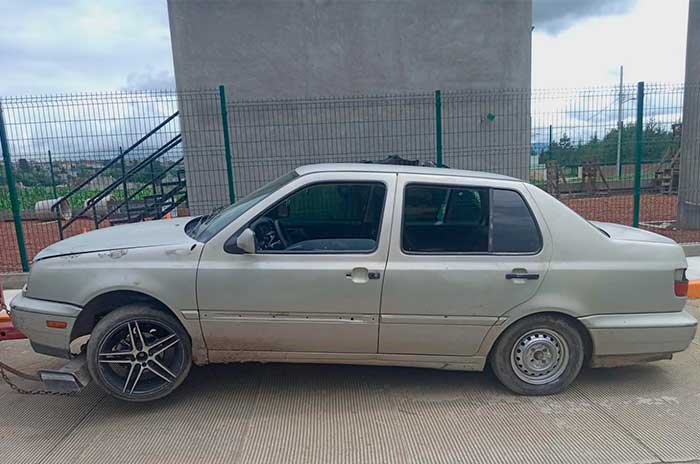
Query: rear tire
[137,353]
[538,355]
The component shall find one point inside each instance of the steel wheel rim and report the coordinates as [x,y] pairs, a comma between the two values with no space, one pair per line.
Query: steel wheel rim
[141,357]
[540,356]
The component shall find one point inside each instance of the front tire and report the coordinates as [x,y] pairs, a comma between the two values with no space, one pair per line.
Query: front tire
[137,353]
[538,355]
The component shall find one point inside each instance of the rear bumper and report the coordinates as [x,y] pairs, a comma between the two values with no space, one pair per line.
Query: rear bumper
[30,316]
[639,335]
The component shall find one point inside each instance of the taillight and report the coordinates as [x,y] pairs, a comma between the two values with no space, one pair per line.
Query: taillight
[680,285]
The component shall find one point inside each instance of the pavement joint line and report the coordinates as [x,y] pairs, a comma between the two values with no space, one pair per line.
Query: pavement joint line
[72,429]
[627,432]
[244,436]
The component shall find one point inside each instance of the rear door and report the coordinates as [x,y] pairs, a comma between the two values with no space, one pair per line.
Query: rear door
[463,252]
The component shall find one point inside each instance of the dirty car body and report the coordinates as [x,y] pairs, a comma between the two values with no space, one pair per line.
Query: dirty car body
[362,264]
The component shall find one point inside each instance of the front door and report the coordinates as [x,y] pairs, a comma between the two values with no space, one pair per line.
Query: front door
[314,283]
[463,253]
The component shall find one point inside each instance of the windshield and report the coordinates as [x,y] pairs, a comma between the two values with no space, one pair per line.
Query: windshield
[213,223]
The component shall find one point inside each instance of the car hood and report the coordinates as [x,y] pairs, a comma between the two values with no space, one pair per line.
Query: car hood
[620,232]
[139,235]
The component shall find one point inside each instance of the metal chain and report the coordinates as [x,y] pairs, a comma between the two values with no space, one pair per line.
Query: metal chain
[23,391]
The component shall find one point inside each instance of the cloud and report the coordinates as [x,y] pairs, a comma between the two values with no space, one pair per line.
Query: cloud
[85,126]
[591,52]
[555,16]
[67,46]
[150,80]
[64,46]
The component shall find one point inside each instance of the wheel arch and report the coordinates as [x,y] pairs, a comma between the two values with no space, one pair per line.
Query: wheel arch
[574,321]
[105,303]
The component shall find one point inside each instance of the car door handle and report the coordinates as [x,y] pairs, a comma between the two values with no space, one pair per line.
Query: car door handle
[515,275]
[361,275]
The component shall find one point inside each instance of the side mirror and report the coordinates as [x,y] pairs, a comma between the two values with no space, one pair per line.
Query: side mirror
[246,241]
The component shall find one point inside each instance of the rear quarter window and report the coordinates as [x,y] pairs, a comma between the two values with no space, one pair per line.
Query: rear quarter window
[514,229]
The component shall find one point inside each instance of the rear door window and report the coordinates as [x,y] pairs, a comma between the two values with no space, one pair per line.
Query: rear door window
[442,219]
[456,219]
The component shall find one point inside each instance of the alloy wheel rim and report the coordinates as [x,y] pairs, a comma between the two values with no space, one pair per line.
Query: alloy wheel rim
[540,356]
[141,357]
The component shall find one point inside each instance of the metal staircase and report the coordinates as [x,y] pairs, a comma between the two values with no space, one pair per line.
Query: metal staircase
[163,192]
[667,173]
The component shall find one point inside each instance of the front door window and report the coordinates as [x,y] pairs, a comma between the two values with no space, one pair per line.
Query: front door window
[342,217]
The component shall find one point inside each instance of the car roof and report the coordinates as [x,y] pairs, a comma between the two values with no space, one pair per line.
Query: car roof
[398,169]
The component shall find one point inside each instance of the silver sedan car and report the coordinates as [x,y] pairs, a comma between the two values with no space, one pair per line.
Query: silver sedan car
[362,264]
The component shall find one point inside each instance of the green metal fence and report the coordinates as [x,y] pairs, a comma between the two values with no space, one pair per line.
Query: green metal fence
[612,154]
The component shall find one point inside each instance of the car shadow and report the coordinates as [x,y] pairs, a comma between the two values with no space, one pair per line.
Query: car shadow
[207,388]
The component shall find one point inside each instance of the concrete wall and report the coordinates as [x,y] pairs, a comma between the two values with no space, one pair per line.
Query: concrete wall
[302,48]
[689,188]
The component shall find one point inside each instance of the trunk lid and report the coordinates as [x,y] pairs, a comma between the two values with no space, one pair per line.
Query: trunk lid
[621,232]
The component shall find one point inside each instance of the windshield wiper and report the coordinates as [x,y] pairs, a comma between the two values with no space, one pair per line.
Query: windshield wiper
[205,220]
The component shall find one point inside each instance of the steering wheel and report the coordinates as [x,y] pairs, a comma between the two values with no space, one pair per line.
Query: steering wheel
[268,234]
[281,233]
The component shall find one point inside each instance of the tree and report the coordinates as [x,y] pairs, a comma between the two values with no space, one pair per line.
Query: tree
[657,142]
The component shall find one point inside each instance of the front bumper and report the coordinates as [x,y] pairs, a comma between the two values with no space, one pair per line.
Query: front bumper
[640,335]
[30,315]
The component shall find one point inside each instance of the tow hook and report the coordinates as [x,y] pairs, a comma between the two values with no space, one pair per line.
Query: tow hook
[67,380]
[71,378]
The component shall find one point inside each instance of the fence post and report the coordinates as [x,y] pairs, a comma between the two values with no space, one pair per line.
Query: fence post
[53,177]
[153,178]
[11,187]
[55,196]
[125,188]
[438,128]
[638,151]
[227,145]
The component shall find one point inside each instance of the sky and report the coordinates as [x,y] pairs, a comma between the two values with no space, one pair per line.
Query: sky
[583,43]
[66,46]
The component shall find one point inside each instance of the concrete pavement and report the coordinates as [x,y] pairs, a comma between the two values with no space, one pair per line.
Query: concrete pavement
[311,413]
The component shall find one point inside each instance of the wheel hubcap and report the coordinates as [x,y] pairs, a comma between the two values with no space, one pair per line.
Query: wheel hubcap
[540,356]
[141,357]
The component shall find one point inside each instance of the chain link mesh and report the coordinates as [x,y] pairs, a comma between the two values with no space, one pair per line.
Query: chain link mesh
[577,144]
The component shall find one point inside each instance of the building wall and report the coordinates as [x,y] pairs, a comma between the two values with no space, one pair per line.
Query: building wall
[305,48]
[689,188]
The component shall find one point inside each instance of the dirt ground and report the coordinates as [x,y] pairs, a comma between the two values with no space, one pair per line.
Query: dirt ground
[654,208]
[37,236]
